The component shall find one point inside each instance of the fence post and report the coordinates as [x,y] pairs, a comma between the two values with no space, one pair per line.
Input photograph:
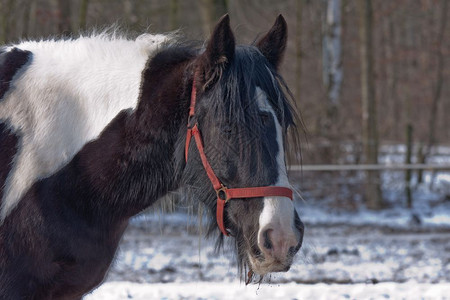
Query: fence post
[409,133]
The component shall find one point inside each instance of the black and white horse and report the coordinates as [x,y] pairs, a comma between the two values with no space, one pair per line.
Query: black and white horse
[93,131]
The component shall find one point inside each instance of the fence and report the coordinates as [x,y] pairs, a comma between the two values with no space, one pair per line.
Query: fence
[378,167]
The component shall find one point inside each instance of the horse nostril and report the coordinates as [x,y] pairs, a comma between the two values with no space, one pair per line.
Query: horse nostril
[267,242]
[278,245]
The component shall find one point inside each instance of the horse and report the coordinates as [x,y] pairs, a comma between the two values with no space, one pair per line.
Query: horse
[95,129]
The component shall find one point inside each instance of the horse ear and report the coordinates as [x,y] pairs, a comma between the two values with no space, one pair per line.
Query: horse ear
[219,51]
[273,44]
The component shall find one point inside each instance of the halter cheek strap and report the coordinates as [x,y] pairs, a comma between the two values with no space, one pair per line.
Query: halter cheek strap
[224,194]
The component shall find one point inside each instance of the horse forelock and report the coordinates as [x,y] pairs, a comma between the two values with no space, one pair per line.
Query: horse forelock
[65,96]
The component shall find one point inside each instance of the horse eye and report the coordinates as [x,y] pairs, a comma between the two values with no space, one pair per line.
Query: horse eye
[227,130]
[265,117]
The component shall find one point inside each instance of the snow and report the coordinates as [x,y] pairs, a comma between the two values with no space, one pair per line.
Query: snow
[235,290]
[177,264]
[395,217]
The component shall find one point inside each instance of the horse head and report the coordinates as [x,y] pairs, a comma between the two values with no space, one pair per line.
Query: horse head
[235,150]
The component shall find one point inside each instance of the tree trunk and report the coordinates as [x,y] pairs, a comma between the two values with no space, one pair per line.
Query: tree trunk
[392,76]
[331,48]
[2,24]
[5,18]
[211,11]
[408,173]
[173,15]
[437,92]
[28,11]
[331,72]
[409,69]
[372,195]
[298,52]
[83,14]
[128,11]
[64,20]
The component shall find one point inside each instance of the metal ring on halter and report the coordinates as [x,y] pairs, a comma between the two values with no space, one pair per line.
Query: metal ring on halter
[222,194]
[191,122]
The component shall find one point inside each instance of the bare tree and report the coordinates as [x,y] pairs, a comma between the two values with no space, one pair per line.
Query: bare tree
[211,11]
[409,37]
[83,14]
[3,23]
[331,72]
[64,17]
[331,51]
[173,15]
[439,81]
[130,8]
[372,191]
[298,44]
[5,19]
[391,70]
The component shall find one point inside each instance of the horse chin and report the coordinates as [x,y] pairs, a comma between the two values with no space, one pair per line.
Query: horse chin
[270,265]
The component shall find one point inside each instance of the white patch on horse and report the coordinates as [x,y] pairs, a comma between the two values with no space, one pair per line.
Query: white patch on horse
[65,97]
[278,212]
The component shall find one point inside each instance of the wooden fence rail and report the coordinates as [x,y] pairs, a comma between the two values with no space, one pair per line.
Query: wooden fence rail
[379,167]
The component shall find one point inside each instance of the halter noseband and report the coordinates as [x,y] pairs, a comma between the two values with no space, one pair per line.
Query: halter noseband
[224,194]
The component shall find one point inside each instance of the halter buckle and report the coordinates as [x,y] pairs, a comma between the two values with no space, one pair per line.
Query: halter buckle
[222,194]
[191,122]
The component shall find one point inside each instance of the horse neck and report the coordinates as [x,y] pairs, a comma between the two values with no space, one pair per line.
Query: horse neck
[156,131]
[138,157]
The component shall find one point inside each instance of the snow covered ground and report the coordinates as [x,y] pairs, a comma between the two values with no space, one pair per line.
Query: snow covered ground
[338,262]
[349,252]
[168,260]
[235,291]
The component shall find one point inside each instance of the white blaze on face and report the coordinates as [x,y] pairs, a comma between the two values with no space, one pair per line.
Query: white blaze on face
[278,212]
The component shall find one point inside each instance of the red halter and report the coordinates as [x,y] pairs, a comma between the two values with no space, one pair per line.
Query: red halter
[225,194]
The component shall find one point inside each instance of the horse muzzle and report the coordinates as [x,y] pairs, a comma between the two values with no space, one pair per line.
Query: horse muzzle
[278,248]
